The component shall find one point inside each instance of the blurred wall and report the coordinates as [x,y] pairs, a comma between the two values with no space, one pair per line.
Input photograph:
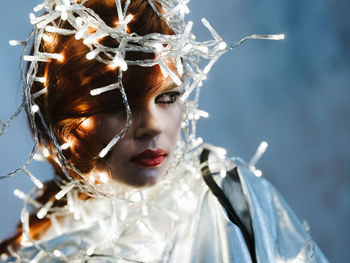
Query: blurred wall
[294,94]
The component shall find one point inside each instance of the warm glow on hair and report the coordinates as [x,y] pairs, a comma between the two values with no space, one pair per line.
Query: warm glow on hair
[98,177]
[111,66]
[68,98]
[61,57]
[87,124]
[66,145]
[91,30]
[92,178]
[103,177]
[128,19]
[48,38]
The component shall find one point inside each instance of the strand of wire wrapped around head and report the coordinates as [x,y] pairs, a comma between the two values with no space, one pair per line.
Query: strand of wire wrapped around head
[71,18]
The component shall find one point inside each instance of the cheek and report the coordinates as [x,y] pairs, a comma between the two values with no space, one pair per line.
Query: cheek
[107,126]
[173,121]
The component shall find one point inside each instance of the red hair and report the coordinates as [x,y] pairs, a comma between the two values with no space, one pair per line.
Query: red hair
[68,102]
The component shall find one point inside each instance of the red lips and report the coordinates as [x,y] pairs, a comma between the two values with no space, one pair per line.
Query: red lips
[149,158]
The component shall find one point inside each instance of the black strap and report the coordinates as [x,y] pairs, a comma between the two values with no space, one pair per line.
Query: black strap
[220,195]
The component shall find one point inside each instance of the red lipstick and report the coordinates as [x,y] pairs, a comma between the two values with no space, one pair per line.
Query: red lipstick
[149,158]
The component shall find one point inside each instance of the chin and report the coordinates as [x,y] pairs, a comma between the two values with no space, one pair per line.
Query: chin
[141,180]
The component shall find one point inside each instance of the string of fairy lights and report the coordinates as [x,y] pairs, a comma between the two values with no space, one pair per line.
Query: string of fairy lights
[182,49]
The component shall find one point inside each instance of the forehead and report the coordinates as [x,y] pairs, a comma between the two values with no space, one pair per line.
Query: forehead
[143,83]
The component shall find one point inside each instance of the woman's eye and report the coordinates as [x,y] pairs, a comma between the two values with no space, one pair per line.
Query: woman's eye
[167,97]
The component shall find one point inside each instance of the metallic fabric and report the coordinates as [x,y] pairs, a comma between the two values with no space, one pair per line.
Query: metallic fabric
[200,233]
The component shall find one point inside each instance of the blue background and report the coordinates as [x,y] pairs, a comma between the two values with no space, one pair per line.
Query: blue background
[294,94]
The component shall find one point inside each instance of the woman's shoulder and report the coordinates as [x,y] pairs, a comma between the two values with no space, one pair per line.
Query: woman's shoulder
[262,210]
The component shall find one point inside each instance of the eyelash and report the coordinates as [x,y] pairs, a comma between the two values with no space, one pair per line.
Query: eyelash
[167,97]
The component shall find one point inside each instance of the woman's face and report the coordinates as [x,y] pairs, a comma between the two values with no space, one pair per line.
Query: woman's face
[146,151]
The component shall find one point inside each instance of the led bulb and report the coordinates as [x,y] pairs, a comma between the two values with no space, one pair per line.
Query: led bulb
[79,21]
[32,18]
[103,176]
[90,250]
[57,253]
[65,146]
[64,15]
[258,173]
[92,54]
[17,43]
[222,46]
[158,46]
[35,108]
[46,152]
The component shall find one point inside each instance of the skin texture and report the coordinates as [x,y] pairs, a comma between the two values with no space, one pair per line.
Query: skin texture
[155,126]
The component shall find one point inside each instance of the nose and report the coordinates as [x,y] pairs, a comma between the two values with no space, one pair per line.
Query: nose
[148,123]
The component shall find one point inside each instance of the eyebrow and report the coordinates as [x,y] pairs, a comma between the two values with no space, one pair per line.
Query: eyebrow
[170,86]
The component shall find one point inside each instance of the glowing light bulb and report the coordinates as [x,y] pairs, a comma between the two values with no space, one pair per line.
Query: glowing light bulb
[43,211]
[203,114]
[57,253]
[13,42]
[203,49]
[223,172]
[263,146]
[16,42]
[41,214]
[98,91]
[144,210]
[92,54]
[64,15]
[118,62]
[87,124]
[136,197]
[79,21]
[222,46]
[65,190]
[258,173]
[219,151]
[32,178]
[197,142]
[123,66]
[185,9]
[158,46]
[50,29]
[79,34]
[65,146]
[3,257]
[187,48]
[38,157]
[278,37]
[123,212]
[58,57]
[92,178]
[38,7]
[35,108]
[90,250]
[46,152]
[103,176]
[40,79]
[103,153]
[76,216]
[32,18]
[19,194]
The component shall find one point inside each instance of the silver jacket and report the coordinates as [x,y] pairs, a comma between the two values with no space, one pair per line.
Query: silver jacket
[205,234]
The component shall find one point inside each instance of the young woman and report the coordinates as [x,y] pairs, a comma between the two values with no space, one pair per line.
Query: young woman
[109,98]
